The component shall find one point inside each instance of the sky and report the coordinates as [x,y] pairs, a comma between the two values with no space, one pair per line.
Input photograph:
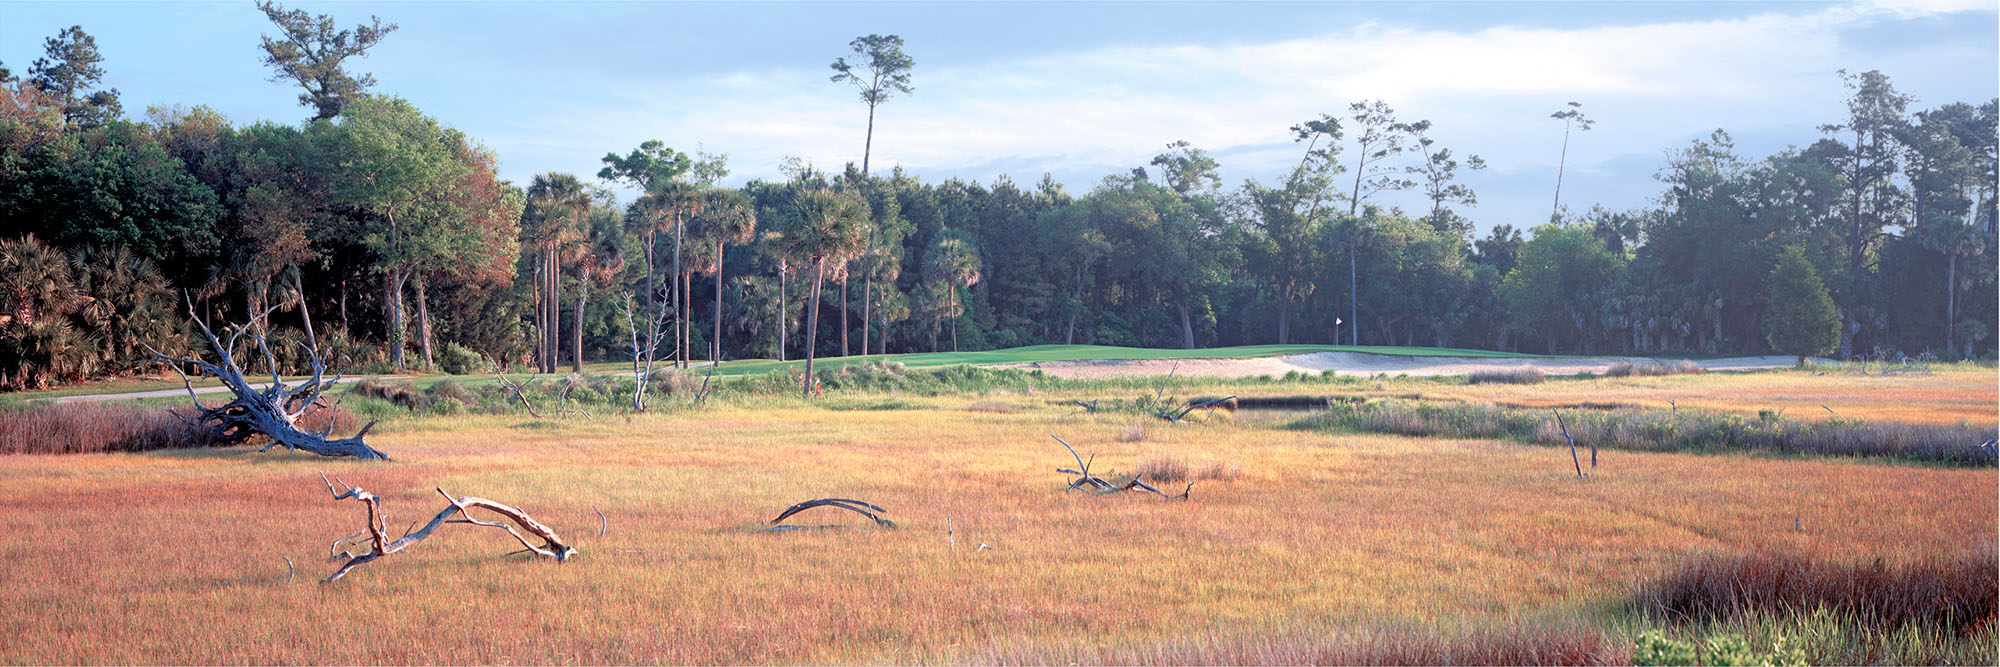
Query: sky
[1079,91]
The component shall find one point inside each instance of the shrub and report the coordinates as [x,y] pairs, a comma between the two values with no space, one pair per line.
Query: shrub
[460,360]
[1654,367]
[1656,648]
[1506,376]
[399,393]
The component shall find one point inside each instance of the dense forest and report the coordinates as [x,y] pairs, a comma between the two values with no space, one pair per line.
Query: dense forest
[385,237]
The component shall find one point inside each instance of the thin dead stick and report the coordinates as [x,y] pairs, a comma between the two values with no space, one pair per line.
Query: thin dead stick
[1572,444]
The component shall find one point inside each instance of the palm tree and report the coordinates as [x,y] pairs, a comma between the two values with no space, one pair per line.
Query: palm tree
[600,258]
[954,261]
[554,216]
[126,301]
[35,279]
[821,225]
[726,219]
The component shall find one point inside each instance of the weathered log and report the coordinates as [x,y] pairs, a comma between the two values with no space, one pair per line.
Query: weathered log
[851,505]
[380,545]
[272,411]
[1095,485]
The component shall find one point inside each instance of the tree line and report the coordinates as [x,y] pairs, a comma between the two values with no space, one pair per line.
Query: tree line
[386,238]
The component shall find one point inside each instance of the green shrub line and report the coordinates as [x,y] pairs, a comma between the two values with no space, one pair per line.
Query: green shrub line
[1653,430]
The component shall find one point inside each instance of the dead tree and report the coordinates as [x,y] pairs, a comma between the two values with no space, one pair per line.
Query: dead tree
[851,505]
[510,386]
[273,411]
[379,544]
[644,354]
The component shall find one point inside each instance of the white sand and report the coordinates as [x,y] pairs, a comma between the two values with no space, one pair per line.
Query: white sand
[1368,365]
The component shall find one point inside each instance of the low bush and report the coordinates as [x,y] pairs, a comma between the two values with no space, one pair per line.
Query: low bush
[399,393]
[1505,376]
[458,359]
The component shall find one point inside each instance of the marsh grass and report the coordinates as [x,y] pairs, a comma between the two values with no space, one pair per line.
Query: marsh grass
[1573,643]
[1664,430]
[88,428]
[1931,610]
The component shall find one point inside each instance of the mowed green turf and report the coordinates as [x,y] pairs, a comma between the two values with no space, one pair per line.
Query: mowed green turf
[1050,353]
[746,367]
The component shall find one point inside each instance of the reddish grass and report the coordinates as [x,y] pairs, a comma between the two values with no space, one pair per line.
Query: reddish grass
[89,428]
[1959,593]
[1573,644]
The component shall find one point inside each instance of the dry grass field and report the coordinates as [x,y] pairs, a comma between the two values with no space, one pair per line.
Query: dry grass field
[1300,540]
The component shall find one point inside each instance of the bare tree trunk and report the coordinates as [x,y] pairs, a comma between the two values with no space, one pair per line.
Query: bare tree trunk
[424,323]
[576,324]
[305,315]
[1285,320]
[869,145]
[1187,327]
[954,317]
[781,310]
[867,304]
[715,347]
[812,327]
[1950,299]
[1069,332]
[843,315]
[392,293]
[680,296]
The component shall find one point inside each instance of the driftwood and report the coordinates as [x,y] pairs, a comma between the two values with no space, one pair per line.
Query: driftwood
[1094,485]
[562,400]
[377,534]
[510,386]
[273,411]
[860,507]
[1175,414]
[1090,407]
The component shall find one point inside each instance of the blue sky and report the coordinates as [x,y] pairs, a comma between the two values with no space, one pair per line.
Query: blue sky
[1081,90]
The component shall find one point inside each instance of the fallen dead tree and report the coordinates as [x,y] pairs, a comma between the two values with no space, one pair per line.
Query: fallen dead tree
[379,544]
[273,411]
[1092,484]
[859,507]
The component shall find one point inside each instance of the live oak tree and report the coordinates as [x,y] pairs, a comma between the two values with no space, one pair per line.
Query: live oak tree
[400,168]
[880,70]
[309,52]
[1801,321]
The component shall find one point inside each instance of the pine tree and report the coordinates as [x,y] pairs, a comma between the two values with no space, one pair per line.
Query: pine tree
[1801,321]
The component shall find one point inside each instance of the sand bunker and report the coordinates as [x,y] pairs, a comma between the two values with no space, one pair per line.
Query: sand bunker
[1361,364]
